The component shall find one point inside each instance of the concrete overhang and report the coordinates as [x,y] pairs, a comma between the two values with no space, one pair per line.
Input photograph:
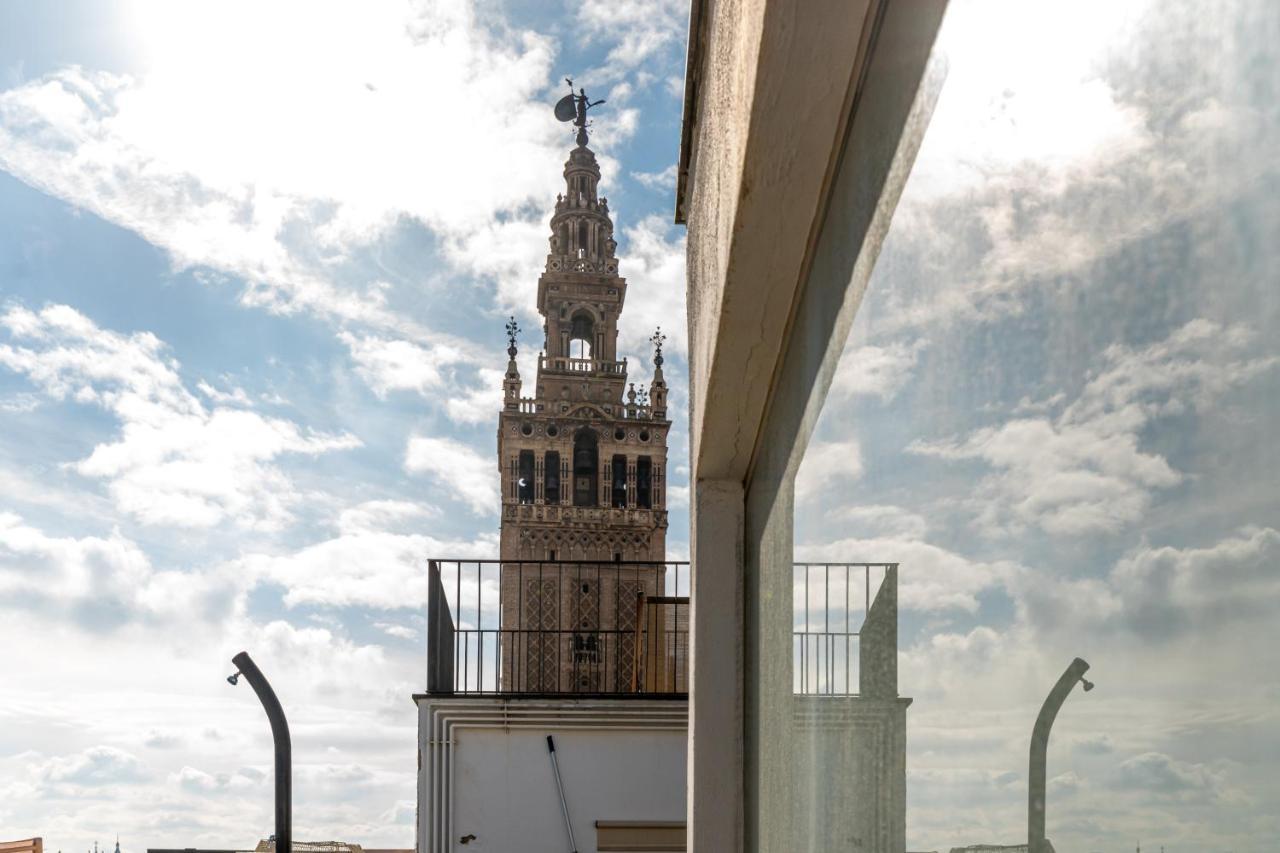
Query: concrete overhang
[771,91]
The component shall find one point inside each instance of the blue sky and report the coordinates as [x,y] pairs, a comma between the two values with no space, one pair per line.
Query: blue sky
[254,268]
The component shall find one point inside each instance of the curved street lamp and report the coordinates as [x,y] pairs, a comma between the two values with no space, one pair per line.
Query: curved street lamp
[1036,842]
[284,750]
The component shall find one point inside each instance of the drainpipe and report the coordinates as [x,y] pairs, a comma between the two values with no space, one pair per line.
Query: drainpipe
[1036,842]
[284,750]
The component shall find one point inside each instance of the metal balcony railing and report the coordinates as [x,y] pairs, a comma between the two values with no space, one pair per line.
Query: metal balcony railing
[844,628]
[532,627]
[548,628]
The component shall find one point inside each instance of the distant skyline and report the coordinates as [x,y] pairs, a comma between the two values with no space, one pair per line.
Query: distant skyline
[255,263]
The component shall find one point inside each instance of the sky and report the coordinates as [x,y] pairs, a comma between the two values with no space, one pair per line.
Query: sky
[255,266]
[1057,411]
[255,263]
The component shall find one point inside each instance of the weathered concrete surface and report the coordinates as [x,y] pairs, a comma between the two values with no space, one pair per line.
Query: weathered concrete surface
[772,86]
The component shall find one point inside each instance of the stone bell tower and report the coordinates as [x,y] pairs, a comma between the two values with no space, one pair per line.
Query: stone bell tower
[582,463]
[583,460]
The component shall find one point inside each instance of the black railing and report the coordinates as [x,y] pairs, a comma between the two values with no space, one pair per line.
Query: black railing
[838,630]
[558,627]
[622,628]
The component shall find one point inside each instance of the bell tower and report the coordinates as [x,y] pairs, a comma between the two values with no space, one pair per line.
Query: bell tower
[582,464]
[583,460]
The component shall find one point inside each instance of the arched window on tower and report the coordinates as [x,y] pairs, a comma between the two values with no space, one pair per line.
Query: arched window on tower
[581,335]
[619,492]
[583,245]
[644,482]
[586,468]
[524,484]
[551,478]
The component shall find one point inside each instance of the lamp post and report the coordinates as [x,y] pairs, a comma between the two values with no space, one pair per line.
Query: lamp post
[1036,842]
[284,750]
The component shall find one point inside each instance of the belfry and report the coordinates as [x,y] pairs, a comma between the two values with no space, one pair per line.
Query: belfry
[582,464]
[582,461]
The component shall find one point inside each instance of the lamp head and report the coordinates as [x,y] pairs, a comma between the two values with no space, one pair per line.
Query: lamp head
[1088,685]
[233,679]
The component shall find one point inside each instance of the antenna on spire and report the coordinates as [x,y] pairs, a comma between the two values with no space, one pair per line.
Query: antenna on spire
[574,108]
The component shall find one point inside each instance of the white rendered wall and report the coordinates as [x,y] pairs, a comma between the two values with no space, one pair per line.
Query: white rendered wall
[499,782]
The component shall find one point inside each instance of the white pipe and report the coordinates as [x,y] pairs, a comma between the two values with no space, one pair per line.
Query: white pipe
[564,804]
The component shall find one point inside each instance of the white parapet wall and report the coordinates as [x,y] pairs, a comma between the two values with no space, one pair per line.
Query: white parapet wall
[485,774]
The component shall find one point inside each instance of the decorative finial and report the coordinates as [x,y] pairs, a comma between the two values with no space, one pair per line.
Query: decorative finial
[642,396]
[513,329]
[657,339]
[574,108]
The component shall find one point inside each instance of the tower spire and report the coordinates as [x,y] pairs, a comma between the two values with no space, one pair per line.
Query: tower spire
[658,388]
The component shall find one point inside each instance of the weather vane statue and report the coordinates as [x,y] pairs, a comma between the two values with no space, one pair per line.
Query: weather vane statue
[574,108]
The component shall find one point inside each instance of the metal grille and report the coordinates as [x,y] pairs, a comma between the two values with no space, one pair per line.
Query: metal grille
[541,655]
[555,627]
[627,616]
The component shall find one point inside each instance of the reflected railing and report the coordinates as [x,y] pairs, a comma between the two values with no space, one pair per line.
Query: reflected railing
[844,631]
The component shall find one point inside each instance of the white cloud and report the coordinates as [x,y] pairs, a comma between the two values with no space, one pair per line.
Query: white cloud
[457,469]
[664,180]
[931,578]
[199,782]
[94,767]
[875,371]
[235,397]
[642,28]
[361,567]
[383,515]
[101,583]
[1163,593]
[1160,774]
[175,462]
[654,266]
[395,365]
[1056,111]
[19,403]
[882,520]
[199,156]
[825,463]
[1083,470]
[400,632]
[480,403]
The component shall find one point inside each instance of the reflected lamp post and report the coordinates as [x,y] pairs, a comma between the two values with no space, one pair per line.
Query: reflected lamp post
[1036,842]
